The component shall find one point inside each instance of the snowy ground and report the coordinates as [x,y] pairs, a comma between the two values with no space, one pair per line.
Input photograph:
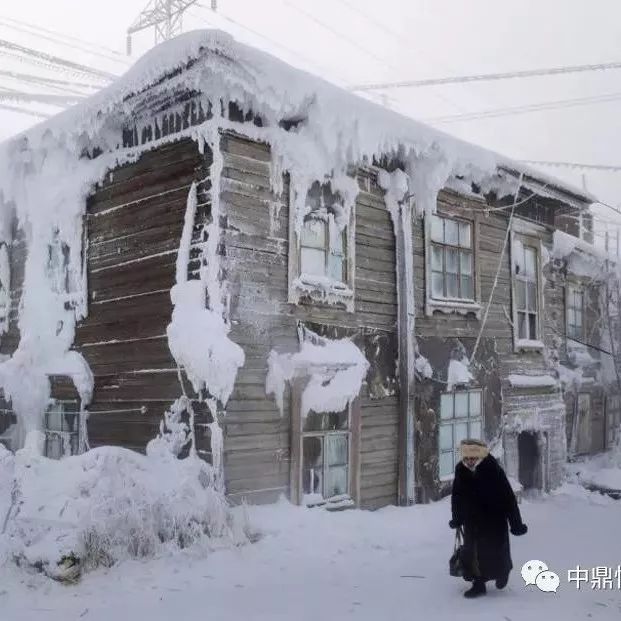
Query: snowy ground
[602,470]
[390,564]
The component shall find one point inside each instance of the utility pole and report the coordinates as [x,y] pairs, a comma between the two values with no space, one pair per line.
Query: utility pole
[166,16]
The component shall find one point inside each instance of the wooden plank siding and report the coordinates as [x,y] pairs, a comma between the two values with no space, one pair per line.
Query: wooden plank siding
[496,352]
[257,455]
[134,222]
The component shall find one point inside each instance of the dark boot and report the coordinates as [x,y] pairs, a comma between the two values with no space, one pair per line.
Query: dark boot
[478,588]
[501,582]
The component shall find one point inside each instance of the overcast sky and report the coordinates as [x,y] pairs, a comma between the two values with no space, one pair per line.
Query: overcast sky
[361,41]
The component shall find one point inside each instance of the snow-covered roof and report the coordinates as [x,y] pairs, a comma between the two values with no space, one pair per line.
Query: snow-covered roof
[345,127]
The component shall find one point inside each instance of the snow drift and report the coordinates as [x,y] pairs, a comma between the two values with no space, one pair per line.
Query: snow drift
[109,504]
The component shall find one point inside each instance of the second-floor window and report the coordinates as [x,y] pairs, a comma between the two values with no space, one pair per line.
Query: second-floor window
[323,248]
[575,313]
[321,258]
[525,273]
[452,273]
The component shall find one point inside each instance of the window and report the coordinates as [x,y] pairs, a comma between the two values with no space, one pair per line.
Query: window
[526,290]
[325,456]
[452,261]
[323,248]
[321,260]
[575,311]
[460,418]
[61,430]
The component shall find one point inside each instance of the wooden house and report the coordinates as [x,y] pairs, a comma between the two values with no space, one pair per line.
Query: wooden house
[453,312]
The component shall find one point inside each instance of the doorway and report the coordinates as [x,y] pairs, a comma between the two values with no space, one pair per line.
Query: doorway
[529,460]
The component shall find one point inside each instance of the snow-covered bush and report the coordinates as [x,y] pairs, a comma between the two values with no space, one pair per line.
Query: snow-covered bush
[107,505]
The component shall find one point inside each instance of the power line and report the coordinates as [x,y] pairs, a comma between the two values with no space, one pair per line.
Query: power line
[393,33]
[40,115]
[538,107]
[61,85]
[264,37]
[54,100]
[30,30]
[105,50]
[574,165]
[488,77]
[55,60]
[287,49]
[336,33]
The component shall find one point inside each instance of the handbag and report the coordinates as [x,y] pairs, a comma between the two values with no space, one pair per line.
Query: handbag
[456,566]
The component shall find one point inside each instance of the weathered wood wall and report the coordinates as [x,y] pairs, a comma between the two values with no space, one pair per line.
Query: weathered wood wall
[257,440]
[496,356]
[134,223]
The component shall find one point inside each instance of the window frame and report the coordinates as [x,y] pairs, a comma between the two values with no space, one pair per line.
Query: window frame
[330,229]
[324,435]
[535,243]
[571,289]
[445,247]
[458,305]
[342,293]
[453,421]
[298,434]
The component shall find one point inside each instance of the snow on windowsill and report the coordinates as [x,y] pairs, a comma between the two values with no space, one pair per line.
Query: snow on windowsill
[335,502]
[527,344]
[449,305]
[322,289]
[532,381]
[324,284]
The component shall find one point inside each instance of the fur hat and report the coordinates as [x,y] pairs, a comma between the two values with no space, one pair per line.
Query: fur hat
[473,448]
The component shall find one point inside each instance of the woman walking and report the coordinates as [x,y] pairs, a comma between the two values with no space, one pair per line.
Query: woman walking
[483,504]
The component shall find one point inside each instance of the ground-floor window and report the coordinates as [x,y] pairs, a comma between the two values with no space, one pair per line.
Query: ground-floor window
[326,450]
[461,417]
[62,424]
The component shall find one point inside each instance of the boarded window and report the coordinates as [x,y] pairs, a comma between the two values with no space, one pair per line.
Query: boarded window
[452,260]
[461,417]
[575,313]
[326,456]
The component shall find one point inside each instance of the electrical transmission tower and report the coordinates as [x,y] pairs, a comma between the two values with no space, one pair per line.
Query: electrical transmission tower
[165,15]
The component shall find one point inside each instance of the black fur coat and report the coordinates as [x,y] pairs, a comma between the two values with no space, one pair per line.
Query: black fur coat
[483,503]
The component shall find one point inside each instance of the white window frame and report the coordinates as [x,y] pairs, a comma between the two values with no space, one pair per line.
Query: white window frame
[451,422]
[462,306]
[323,435]
[570,292]
[352,498]
[304,286]
[536,344]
